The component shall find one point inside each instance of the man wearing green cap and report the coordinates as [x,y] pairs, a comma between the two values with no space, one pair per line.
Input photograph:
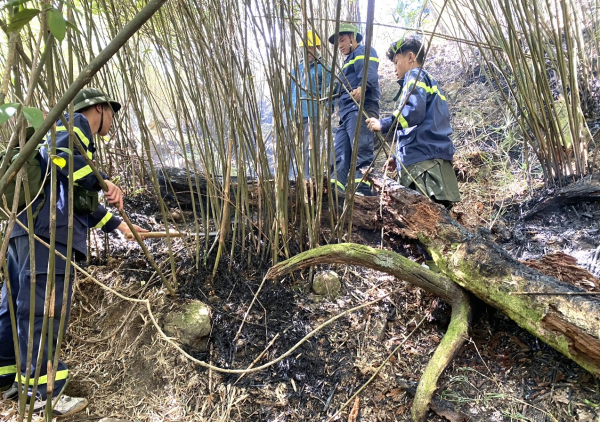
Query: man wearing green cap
[424,149]
[94,112]
[350,79]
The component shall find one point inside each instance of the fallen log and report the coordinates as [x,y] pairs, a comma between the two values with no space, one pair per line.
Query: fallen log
[569,324]
[174,183]
[564,267]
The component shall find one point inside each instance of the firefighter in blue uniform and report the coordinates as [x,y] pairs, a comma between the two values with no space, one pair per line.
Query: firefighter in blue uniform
[350,80]
[93,115]
[422,122]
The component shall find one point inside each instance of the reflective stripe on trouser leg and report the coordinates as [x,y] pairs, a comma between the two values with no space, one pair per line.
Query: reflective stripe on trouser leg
[338,184]
[7,375]
[20,246]
[365,154]
[60,375]
[344,140]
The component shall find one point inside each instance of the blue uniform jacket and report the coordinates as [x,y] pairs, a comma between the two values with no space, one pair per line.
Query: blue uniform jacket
[351,76]
[309,92]
[82,176]
[423,124]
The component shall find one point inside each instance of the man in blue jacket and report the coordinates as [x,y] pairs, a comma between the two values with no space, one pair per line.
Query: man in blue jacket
[422,122]
[308,84]
[350,80]
[94,113]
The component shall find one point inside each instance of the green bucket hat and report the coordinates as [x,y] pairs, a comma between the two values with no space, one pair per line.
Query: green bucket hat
[91,96]
[347,28]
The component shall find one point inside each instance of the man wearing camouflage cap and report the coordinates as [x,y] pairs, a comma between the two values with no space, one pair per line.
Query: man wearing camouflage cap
[94,113]
[350,80]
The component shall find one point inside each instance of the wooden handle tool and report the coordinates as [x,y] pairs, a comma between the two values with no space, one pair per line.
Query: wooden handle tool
[156,235]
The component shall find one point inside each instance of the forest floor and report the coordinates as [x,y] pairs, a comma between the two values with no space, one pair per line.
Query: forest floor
[128,371]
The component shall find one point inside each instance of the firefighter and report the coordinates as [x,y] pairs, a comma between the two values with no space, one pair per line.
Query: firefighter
[94,113]
[422,122]
[309,83]
[350,84]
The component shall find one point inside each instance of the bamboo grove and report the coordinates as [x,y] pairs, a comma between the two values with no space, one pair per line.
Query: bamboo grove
[197,79]
[198,76]
[545,55]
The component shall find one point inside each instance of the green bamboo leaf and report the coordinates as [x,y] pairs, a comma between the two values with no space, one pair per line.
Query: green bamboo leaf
[21,18]
[7,111]
[57,24]
[34,116]
[67,150]
[73,26]
[13,3]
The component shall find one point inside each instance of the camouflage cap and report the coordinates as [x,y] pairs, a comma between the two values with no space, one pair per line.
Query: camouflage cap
[347,28]
[91,96]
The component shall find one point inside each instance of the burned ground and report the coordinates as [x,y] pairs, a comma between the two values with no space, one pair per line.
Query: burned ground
[127,370]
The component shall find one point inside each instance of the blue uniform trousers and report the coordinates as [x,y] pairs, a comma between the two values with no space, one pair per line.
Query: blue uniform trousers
[18,262]
[343,142]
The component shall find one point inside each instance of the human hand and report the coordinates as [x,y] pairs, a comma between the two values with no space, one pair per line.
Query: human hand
[124,228]
[390,165]
[373,124]
[113,195]
[356,93]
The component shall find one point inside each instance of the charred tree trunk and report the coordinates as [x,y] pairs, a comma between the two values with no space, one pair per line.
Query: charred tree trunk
[569,324]
[587,189]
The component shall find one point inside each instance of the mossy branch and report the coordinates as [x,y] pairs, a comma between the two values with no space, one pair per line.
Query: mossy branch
[405,269]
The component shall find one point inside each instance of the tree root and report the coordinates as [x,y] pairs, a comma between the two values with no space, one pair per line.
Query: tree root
[448,348]
[441,407]
[405,269]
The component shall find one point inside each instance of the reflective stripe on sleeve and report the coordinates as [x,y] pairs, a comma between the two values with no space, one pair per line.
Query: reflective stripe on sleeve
[8,370]
[60,375]
[84,139]
[400,119]
[351,62]
[104,220]
[429,89]
[82,172]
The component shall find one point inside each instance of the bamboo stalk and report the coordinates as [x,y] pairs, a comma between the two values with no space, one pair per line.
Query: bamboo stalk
[84,77]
